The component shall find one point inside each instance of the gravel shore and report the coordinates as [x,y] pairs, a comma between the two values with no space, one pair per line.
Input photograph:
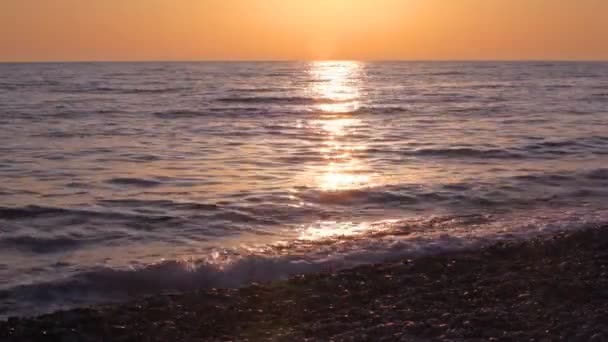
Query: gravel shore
[547,289]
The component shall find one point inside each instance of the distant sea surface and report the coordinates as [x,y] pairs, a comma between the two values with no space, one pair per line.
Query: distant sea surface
[128,179]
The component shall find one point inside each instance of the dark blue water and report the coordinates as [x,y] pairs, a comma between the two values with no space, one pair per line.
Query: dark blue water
[126,179]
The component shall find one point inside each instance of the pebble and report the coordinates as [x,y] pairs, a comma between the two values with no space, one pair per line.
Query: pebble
[597,338]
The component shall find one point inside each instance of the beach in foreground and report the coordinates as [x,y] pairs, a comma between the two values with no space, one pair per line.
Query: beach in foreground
[547,289]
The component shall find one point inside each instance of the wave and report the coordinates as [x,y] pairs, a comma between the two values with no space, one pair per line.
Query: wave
[258,90]
[225,111]
[137,203]
[238,110]
[493,86]
[466,152]
[385,195]
[235,216]
[260,212]
[531,189]
[591,144]
[41,245]
[7,213]
[382,241]
[370,109]
[38,243]
[295,100]
[559,86]
[597,174]
[116,90]
[35,212]
[447,73]
[137,182]
[137,90]
[170,114]
[543,150]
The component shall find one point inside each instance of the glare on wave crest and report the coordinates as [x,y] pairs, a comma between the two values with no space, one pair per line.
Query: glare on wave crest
[338,245]
[331,229]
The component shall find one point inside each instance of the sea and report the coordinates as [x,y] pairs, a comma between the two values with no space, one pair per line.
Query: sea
[123,180]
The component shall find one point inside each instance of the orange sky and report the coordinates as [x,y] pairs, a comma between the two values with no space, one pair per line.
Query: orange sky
[38,30]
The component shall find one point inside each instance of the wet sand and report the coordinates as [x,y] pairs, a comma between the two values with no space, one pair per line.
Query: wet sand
[547,289]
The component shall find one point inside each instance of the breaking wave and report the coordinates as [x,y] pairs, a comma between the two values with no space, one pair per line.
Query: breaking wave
[381,241]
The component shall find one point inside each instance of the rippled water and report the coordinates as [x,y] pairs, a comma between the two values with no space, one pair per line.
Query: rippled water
[124,179]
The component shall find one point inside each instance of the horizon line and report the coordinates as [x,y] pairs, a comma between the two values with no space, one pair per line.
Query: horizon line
[304,61]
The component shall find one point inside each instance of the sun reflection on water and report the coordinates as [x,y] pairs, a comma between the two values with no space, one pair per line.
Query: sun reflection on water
[338,126]
[330,229]
[338,86]
[337,181]
[324,230]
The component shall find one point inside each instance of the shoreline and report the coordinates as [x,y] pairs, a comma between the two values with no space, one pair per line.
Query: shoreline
[547,288]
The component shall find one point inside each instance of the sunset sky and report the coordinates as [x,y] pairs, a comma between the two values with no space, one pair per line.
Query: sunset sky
[66,30]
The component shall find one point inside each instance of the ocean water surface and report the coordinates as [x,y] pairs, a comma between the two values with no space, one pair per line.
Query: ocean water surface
[129,179]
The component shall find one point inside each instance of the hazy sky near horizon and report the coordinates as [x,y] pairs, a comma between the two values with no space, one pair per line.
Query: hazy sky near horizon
[65,30]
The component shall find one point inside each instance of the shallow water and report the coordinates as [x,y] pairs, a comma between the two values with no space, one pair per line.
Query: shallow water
[122,179]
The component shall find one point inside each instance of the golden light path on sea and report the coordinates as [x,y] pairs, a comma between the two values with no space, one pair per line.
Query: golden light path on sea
[338,86]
